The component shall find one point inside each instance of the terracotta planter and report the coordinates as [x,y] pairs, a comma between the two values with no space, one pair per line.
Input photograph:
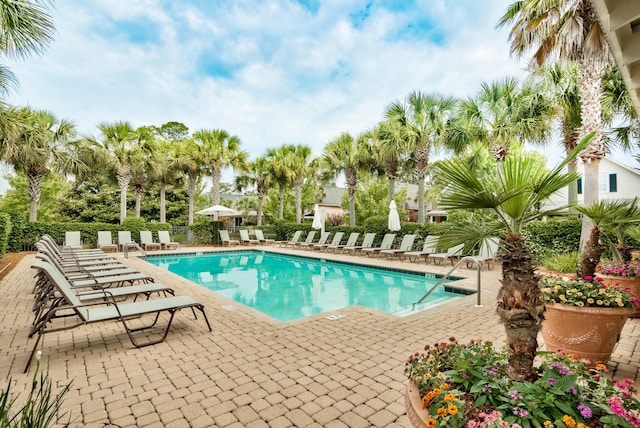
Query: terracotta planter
[591,333]
[625,282]
[413,403]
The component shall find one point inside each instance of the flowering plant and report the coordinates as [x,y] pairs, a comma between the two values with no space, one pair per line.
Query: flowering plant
[587,291]
[625,269]
[467,386]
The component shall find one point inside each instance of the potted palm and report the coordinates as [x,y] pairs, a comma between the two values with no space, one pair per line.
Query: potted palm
[514,192]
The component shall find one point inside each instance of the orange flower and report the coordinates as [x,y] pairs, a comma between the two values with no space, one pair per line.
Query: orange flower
[568,421]
[601,368]
[581,425]
[574,356]
[444,386]
[449,397]
[431,423]
[425,401]
[442,412]
[452,409]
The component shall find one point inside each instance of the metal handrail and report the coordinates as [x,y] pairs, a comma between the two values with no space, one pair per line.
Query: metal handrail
[126,246]
[466,259]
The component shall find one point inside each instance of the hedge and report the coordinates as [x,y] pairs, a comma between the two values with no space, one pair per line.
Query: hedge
[16,237]
[552,237]
[205,232]
[5,231]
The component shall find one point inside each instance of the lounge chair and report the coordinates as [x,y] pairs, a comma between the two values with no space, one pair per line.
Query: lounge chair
[324,236]
[405,245]
[386,244]
[72,240]
[430,246]
[146,241]
[124,238]
[106,310]
[294,239]
[351,242]
[260,237]
[245,239]
[105,241]
[337,238]
[367,242]
[165,240]
[451,253]
[224,238]
[77,256]
[71,251]
[487,253]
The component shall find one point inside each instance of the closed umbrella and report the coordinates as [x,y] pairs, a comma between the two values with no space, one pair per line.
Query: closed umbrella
[394,217]
[318,220]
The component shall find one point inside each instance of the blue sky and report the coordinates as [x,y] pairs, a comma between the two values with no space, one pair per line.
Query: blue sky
[268,71]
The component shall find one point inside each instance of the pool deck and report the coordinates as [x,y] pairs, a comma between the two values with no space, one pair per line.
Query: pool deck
[251,370]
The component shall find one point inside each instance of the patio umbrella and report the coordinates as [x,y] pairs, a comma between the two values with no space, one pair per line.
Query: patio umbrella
[394,217]
[219,211]
[318,218]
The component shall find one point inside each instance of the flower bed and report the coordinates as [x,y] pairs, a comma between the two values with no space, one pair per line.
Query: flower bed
[466,385]
[587,292]
[628,270]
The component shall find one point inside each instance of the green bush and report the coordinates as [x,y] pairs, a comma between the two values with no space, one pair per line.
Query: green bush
[16,237]
[551,237]
[564,263]
[284,230]
[5,230]
[205,232]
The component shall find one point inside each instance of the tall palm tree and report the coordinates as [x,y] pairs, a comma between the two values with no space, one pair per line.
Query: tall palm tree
[422,119]
[118,152]
[351,156]
[26,28]
[220,150]
[145,165]
[389,151]
[166,170]
[301,165]
[514,192]
[618,112]
[280,171]
[38,147]
[188,158]
[501,112]
[568,31]
[259,175]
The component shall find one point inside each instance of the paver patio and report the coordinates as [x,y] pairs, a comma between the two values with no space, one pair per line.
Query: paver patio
[252,370]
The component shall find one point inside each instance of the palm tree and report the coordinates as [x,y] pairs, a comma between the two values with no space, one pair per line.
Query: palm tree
[166,170]
[300,164]
[258,174]
[118,152]
[422,119]
[568,30]
[280,171]
[514,193]
[501,112]
[618,111]
[220,150]
[145,165]
[388,151]
[188,158]
[26,28]
[37,147]
[351,156]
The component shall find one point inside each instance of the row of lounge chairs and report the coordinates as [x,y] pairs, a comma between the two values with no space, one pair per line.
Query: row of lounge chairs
[245,239]
[73,240]
[92,286]
[429,252]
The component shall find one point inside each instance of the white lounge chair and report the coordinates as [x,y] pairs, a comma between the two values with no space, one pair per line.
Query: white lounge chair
[367,242]
[353,238]
[324,236]
[487,254]
[146,241]
[165,240]
[386,244]
[308,240]
[294,239]
[451,253]
[335,241]
[124,238]
[224,238]
[405,245]
[105,241]
[260,237]
[72,240]
[245,239]
[430,246]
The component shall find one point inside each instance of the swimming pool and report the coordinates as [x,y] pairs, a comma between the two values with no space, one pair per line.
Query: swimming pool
[288,287]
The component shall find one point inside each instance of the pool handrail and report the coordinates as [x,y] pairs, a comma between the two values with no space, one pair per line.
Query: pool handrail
[466,259]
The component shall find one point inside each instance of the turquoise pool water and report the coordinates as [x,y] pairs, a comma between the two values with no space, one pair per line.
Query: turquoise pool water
[288,287]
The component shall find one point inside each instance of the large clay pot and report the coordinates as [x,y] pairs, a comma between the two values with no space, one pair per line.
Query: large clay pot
[413,403]
[623,281]
[591,333]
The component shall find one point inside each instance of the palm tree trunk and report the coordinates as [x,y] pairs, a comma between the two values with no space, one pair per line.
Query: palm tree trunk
[392,189]
[520,308]
[191,191]
[215,185]
[592,253]
[138,199]
[352,182]
[123,182]
[35,180]
[281,207]
[297,187]
[259,211]
[590,89]
[422,160]
[569,141]
[163,202]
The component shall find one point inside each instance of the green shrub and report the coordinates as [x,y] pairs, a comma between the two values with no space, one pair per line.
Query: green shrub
[551,237]
[205,232]
[16,237]
[284,230]
[5,230]
[564,263]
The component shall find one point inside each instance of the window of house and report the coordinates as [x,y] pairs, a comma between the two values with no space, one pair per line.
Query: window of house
[606,183]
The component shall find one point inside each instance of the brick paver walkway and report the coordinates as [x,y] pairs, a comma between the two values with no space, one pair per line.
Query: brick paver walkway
[251,371]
